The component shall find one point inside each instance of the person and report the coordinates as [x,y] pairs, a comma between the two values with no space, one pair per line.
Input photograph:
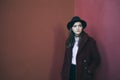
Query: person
[81,53]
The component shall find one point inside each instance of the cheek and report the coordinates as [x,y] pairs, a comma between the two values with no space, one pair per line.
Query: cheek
[73,29]
[81,29]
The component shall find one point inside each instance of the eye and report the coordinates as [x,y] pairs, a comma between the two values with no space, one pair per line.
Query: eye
[74,26]
[80,25]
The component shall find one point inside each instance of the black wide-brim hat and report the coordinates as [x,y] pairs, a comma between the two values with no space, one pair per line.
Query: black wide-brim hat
[76,19]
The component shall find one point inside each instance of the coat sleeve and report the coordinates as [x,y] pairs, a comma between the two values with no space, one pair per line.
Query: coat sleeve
[65,62]
[95,57]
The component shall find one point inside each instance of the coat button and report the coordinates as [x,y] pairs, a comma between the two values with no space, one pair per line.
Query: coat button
[89,71]
[85,67]
[84,60]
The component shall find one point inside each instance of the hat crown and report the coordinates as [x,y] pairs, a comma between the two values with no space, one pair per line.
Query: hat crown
[75,18]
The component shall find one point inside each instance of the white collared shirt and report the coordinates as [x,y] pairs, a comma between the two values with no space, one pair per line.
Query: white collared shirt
[75,50]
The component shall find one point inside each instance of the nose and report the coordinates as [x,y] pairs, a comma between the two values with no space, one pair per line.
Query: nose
[77,27]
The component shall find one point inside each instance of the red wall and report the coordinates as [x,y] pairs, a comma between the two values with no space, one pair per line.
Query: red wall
[32,35]
[103,17]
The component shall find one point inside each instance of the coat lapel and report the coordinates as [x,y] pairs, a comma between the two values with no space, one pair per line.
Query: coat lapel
[83,41]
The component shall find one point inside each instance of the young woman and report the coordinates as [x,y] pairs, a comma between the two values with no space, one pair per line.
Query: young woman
[81,54]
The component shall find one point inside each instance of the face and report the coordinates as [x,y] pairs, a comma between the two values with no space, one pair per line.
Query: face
[77,28]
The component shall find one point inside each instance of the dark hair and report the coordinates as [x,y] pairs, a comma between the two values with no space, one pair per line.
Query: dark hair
[70,40]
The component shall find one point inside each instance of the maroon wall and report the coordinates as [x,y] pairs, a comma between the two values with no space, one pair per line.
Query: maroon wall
[32,35]
[103,17]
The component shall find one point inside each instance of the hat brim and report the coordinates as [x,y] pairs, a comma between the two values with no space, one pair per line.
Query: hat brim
[71,23]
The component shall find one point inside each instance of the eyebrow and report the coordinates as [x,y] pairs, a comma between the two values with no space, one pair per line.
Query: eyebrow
[76,25]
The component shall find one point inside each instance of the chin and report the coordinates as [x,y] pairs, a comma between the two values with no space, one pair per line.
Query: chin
[78,33]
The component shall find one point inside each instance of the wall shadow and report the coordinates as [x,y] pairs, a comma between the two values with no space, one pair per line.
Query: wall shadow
[102,72]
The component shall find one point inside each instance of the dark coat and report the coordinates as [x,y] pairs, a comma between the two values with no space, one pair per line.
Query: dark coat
[87,59]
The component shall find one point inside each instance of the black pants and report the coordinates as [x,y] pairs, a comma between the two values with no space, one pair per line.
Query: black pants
[72,72]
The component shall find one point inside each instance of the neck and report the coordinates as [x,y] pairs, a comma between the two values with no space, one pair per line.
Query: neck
[76,35]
